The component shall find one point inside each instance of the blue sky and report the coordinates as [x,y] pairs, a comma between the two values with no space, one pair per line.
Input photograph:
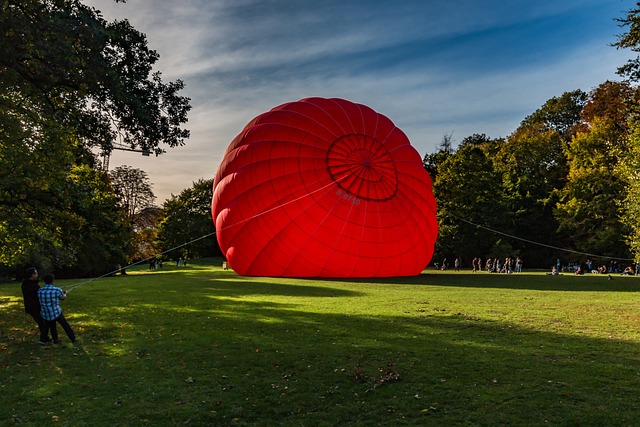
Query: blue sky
[434,67]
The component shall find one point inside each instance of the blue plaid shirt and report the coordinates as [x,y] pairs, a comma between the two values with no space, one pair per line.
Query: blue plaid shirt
[50,298]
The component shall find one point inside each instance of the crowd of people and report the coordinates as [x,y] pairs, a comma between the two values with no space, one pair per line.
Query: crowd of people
[589,266]
[491,265]
[514,265]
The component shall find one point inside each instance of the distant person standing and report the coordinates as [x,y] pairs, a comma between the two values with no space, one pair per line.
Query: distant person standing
[518,265]
[50,297]
[30,289]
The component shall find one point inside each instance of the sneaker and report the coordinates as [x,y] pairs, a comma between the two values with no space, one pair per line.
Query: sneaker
[43,342]
[56,342]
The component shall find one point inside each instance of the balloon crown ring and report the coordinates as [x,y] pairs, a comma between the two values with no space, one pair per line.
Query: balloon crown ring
[363,167]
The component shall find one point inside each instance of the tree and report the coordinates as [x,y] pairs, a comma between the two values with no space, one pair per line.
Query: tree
[610,100]
[188,217]
[433,160]
[479,139]
[101,237]
[135,195]
[630,39]
[59,214]
[70,81]
[133,187]
[146,244]
[588,208]
[469,191]
[61,63]
[629,168]
[559,114]
[630,165]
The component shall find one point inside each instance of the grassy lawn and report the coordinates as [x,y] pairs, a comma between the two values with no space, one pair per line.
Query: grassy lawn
[202,346]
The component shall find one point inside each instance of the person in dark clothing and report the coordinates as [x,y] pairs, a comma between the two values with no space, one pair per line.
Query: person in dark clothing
[32,304]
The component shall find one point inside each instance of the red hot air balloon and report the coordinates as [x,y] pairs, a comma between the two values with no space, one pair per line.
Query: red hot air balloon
[324,188]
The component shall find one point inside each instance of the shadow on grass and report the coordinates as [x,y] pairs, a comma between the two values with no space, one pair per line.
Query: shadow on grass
[232,285]
[542,282]
[223,360]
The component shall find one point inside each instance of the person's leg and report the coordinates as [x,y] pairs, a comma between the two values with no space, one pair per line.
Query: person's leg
[42,327]
[54,331]
[66,327]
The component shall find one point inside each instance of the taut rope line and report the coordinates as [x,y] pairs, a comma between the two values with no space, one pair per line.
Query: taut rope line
[202,237]
[538,243]
[136,263]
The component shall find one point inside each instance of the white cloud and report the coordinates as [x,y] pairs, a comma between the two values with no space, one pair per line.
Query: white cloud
[434,68]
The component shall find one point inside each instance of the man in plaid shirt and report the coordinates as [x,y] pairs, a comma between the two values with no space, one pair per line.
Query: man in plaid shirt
[50,297]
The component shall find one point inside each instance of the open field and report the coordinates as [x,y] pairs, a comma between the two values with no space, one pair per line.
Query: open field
[202,346]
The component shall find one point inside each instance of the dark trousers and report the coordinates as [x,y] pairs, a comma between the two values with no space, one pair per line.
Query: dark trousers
[42,325]
[51,324]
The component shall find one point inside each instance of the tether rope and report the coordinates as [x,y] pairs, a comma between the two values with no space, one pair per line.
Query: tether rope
[69,289]
[511,236]
[538,243]
[75,286]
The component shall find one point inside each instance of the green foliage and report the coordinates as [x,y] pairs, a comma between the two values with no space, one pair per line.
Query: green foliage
[134,190]
[588,208]
[56,212]
[199,345]
[468,189]
[532,165]
[557,180]
[188,217]
[71,81]
[60,61]
[629,168]
[559,114]
[630,39]
[431,162]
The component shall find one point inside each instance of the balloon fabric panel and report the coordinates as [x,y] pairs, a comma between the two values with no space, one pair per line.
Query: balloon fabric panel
[324,188]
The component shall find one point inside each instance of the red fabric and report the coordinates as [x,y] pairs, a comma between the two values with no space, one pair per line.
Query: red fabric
[324,188]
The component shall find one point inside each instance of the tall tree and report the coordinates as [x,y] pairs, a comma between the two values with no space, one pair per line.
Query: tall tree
[432,161]
[630,39]
[135,195]
[188,217]
[134,189]
[70,81]
[629,167]
[62,63]
[588,208]
[532,164]
[559,114]
[101,237]
[468,192]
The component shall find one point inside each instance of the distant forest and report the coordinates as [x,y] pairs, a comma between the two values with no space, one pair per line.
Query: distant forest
[564,185]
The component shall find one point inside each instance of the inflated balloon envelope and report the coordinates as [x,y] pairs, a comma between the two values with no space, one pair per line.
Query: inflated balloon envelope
[324,188]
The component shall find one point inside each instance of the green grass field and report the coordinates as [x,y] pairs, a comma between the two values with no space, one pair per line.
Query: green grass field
[202,346]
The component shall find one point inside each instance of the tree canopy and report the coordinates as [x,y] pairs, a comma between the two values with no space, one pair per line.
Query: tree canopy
[187,217]
[71,82]
[63,65]
[563,174]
